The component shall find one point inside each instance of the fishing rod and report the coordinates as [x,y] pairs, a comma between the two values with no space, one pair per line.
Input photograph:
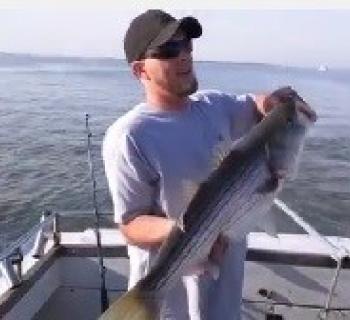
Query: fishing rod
[103,290]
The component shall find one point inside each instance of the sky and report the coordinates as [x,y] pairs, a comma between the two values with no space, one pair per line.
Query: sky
[294,36]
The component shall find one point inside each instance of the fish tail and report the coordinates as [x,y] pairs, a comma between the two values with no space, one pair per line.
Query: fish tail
[133,305]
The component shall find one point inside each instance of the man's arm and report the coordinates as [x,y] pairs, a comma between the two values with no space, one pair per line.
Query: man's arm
[132,184]
[147,230]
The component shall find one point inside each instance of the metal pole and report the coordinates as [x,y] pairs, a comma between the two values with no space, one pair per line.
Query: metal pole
[103,290]
[336,252]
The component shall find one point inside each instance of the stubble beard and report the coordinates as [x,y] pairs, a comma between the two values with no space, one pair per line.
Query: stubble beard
[191,88]
[180,89]
[184,89]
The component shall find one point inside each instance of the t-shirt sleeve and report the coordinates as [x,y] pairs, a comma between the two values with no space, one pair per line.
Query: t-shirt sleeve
[131,180]
[240,110]
[242,113]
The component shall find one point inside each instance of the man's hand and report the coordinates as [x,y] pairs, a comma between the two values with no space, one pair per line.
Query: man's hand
[146,231]
[218,250]
[277,97]
[265,103]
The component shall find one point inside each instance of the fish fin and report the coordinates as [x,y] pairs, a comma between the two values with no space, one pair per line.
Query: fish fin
[133,305]
[269,185]
[205,267]
[213,269]
[269,225]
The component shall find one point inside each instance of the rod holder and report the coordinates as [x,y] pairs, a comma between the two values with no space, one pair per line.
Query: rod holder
[56,232]
[45,233]
[11,268]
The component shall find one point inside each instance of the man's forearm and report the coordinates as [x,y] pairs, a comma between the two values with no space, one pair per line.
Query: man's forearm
[147,231]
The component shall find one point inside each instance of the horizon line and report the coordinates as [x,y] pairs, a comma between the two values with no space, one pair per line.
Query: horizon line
[63,56]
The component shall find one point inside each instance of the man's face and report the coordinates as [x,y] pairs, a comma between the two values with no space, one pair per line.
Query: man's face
[174,75]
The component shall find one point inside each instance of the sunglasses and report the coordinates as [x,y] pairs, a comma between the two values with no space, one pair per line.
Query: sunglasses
[170,49]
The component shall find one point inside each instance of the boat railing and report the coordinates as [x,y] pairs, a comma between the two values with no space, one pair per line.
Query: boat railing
[337,252]
[23,253]
[12,259]
[52,224]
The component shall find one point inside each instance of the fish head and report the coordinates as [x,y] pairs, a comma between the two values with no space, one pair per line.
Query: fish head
[284,146]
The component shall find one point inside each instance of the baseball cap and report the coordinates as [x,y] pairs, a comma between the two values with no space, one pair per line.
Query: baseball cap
[153,28]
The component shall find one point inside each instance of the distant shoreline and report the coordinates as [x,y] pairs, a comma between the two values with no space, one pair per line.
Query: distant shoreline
[31,57]
[8,56]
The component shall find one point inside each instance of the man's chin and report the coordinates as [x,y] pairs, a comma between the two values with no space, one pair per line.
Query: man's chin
[192,88]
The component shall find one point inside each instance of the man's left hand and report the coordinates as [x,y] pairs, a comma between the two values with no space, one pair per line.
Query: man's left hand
[218,250]
[265,103]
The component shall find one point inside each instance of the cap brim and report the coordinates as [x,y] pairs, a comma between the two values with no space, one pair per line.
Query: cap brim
[189,25]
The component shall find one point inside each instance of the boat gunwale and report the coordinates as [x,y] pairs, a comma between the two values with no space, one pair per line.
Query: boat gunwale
[9,299]
[13,295]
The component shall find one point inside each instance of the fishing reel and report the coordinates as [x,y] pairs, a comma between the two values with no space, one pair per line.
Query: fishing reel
[269,307]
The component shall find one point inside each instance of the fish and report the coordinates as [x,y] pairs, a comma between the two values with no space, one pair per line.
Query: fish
[238,193]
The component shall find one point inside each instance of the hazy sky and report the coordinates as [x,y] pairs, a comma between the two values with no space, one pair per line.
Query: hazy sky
[289,37]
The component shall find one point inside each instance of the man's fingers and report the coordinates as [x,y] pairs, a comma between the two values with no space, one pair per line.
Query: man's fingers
[218,249]
[306,109]
[284,94]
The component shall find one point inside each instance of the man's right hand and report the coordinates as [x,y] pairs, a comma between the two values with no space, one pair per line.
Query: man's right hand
[146,231]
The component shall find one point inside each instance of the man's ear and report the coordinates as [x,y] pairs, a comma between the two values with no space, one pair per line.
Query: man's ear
[138,69]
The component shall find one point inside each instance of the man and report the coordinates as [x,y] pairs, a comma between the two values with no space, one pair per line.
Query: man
[157,150]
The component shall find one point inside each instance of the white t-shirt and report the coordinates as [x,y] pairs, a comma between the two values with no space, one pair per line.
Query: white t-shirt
[152,156]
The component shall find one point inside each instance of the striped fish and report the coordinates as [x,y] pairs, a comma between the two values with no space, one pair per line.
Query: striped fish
[232,200]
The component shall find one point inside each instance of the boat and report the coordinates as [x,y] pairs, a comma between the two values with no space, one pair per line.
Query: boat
[52,272]
[322,68]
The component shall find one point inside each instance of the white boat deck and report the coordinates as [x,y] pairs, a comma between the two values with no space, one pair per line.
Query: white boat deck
[297,292]
[296,273]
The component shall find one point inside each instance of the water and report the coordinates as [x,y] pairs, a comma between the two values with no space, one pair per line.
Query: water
[43,159]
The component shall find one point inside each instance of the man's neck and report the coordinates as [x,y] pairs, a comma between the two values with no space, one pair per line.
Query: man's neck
[166,102]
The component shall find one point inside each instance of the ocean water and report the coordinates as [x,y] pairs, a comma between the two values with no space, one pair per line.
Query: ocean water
[43,143]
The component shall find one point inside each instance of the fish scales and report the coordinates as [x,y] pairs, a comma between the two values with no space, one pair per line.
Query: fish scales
[201,233]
